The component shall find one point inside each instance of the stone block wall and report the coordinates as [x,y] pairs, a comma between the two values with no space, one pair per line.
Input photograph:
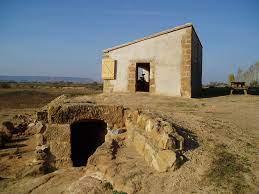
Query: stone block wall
[191,67]
[155,139]
[132,78]
[186,63]
[69,113]
[61,116]
[196,71]
[58,139]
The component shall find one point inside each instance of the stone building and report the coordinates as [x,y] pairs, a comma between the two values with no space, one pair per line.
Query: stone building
[166,63]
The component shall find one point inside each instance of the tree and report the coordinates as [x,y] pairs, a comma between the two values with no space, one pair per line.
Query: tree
[254,83]
[239,74]
[231,77]
[249,75]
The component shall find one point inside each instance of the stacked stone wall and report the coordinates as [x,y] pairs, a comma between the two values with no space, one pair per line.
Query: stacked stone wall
[186,63]
[155,139]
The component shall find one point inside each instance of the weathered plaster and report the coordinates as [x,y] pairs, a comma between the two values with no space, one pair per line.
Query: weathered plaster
[171,56]
[164,54]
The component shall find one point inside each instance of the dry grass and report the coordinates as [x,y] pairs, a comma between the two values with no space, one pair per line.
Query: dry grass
[221,140]
[29,97]
[228,170]
[24,99]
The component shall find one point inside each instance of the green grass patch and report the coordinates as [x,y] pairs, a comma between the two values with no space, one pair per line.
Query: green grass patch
[227,171]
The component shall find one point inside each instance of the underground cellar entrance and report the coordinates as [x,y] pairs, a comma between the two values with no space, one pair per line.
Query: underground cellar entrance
[86,136]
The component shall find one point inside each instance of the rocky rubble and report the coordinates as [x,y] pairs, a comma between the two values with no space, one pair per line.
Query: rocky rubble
[16,127]
[37,127]
[155,139]
[40,164]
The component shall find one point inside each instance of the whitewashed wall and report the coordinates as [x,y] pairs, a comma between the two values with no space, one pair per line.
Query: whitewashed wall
[164,50]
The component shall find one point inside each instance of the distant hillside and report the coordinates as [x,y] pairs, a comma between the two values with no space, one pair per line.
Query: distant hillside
[45,79]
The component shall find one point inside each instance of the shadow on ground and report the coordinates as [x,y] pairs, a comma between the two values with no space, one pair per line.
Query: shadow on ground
[214,92]
[8,146]
[224,91]
[14,143]
[190,139]
[16,140]
[253,90]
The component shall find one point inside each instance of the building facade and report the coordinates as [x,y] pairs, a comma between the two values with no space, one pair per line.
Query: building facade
[166,63]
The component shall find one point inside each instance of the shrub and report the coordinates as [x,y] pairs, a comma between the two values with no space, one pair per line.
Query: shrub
[254,83]
[108,186]
[228,169]
[231,77]
[5,85]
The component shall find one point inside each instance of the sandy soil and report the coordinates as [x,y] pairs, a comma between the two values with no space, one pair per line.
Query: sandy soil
[221,149]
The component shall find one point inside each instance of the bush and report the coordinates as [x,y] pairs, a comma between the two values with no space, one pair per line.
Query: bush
[5,85]
[108,186]
[254,83]
[228,170]
[231,77]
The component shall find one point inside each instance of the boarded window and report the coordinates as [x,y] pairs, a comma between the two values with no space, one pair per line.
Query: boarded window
[108,68]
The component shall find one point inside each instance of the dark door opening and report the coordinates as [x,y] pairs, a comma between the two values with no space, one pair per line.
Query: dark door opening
[86,136]
[142,77]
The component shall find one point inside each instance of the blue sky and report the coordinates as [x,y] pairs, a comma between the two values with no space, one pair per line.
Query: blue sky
[66,38]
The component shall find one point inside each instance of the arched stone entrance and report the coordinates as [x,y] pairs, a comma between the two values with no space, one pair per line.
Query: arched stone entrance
[86,136]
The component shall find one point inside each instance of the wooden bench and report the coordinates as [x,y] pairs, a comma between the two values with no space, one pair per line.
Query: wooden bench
[238,86]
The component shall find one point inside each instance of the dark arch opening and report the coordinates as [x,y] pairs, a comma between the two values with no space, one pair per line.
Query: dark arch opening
[86,136]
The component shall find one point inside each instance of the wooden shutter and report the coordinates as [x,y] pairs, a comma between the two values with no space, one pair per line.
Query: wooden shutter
[108,68]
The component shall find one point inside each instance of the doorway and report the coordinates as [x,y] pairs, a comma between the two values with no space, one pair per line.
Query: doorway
[142,77]
[86,137]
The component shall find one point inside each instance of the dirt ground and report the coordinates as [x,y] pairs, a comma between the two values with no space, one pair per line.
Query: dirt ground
[221,149]
[26,97]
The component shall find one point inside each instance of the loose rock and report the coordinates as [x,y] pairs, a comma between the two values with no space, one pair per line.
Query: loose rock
[42,152]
